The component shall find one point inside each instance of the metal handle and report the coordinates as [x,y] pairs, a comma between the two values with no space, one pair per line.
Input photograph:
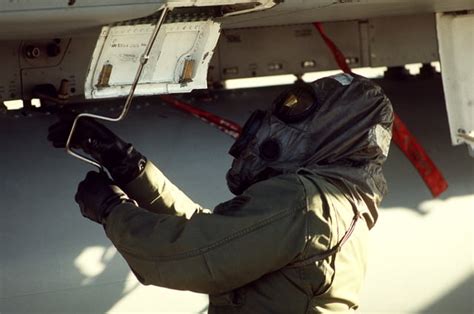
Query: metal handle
[128,102]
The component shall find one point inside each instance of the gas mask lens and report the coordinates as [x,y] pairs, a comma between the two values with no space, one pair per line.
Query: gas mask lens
[249,131]
[296,104]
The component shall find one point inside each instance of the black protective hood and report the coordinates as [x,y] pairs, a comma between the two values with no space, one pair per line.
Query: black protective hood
[346,140]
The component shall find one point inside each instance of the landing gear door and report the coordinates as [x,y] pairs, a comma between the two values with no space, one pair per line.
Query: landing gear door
[178,62]
[456,43]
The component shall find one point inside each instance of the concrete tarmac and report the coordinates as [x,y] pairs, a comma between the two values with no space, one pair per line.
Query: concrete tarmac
[54,260]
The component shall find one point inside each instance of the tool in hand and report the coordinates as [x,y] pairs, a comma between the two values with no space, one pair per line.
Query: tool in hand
[128,102]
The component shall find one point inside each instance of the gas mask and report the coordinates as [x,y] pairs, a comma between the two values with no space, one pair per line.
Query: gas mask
[273,141]
[338,128]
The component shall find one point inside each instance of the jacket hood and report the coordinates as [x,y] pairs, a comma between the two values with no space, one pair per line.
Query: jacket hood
[345,140]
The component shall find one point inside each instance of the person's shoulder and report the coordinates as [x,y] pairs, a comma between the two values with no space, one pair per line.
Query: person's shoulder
[324,190]
[281,191]
[288,183]
[278,193]
[318,186]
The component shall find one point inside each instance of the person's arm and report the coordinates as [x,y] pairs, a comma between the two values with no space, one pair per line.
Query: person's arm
[154,192]
[256,233]
[128,167]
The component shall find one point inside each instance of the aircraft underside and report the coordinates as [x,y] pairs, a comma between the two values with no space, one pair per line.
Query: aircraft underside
[67,51]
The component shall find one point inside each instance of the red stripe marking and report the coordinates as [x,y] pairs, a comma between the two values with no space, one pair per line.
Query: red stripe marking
[227,126]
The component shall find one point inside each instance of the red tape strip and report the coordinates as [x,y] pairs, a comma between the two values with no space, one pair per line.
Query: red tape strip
[418,157]
[404,139]
[229,127]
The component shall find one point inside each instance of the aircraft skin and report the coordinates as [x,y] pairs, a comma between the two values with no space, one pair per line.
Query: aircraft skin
[303,11]
[26,19]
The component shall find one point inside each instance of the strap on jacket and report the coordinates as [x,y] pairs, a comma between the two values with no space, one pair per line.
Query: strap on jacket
[338,247]
[335,249]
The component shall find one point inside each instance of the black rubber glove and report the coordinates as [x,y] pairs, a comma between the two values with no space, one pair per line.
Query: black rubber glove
[120,158]
[97,196]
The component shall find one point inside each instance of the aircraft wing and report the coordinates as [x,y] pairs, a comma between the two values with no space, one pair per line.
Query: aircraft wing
[308,11]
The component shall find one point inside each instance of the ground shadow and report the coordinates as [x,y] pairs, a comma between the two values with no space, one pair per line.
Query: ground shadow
[456,301]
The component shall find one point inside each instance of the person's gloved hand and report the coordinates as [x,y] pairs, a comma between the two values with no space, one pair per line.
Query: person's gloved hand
[120,158]
[97,196]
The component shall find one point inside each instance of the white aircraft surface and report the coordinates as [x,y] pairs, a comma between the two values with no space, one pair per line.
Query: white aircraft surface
[84,54]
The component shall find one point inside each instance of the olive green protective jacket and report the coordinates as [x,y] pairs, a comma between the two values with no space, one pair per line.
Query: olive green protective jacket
[257,253]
